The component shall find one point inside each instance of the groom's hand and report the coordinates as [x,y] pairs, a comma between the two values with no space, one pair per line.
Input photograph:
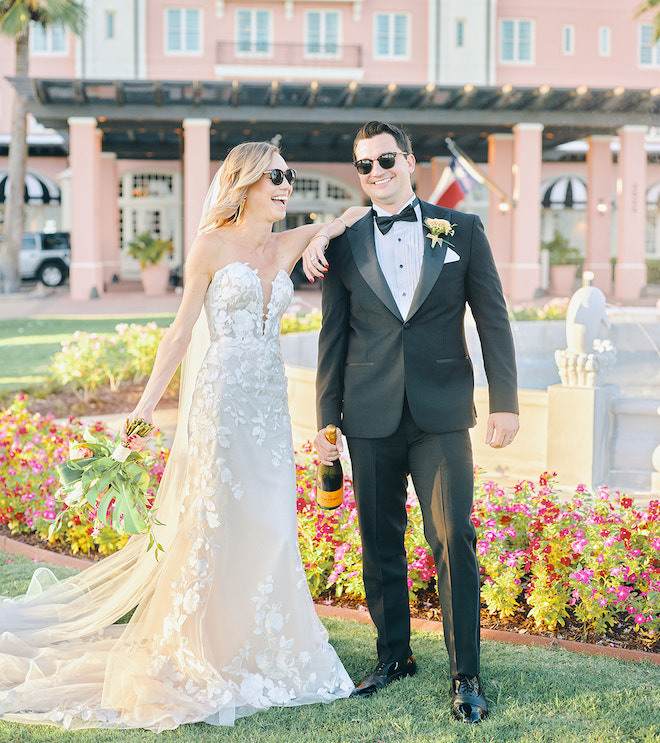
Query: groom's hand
[328,452]
[501,429]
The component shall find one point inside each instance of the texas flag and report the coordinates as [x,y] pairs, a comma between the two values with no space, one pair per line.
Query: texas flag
[457,180]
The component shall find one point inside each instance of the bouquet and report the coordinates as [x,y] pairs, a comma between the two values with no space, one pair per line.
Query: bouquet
[106,481]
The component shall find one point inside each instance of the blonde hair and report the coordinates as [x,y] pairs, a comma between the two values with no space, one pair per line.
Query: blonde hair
[244,165]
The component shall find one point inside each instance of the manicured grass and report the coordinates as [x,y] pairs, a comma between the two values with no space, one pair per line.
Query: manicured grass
[27,345]
[536,694]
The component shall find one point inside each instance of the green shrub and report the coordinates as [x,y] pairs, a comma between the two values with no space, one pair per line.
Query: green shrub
[90,361]
[148,249]
[561,252]
[653,270]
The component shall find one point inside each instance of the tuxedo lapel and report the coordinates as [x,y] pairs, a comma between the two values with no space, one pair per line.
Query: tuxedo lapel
[432,264]
[363,247]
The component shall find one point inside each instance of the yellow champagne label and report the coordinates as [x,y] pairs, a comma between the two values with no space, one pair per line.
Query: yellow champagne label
[329,499]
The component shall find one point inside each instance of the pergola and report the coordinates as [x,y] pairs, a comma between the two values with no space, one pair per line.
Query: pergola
[317,121]
[513,128]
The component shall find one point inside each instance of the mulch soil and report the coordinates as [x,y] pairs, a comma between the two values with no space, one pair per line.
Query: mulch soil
[105,402]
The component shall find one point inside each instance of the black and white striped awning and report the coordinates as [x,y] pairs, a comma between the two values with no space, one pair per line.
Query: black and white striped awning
[564,192]
[39,189]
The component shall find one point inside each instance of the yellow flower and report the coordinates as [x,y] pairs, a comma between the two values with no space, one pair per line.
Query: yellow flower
[438,228]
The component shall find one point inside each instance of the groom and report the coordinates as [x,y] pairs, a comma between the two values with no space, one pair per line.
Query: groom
[395,376]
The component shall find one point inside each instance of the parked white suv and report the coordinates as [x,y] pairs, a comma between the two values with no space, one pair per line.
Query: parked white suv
[45,256]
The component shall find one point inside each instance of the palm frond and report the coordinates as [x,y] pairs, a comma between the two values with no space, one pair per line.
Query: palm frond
[15,15]
[14,18]
[647,6]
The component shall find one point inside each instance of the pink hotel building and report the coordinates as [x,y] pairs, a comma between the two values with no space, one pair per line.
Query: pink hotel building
[557,101]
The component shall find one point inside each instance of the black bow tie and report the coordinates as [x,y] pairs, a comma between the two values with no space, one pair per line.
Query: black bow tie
[405,215]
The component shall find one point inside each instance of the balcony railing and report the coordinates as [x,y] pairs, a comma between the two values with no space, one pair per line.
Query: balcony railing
[289,55]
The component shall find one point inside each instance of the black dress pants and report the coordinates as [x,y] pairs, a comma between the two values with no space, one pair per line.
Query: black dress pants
[442,473]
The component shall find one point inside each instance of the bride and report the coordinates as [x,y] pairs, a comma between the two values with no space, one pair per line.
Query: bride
[224,625]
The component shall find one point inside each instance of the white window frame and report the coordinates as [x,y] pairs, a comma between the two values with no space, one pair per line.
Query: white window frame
[323,35]
[110,24]
[568,40]
[52,35]
[604,41]
[460,33]
[183,51]
[254,39]
[391,38]
[646,30]
[517,23]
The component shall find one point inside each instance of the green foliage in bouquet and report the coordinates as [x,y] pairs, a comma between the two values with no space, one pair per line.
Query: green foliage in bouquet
[105,482]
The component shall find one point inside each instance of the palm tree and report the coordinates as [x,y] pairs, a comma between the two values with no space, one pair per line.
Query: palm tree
[15,19]
[649,5]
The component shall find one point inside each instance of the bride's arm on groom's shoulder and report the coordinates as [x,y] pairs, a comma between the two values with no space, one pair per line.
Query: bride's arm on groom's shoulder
[173,345]
[314,261]
[310,240]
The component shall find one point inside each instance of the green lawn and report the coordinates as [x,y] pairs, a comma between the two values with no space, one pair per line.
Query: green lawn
[27,345]
[536,695]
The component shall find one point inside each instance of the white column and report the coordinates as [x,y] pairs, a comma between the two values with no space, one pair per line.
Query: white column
[85,163]
[527,158]
[500,213]
[630,269]
[196,165]
[599,212]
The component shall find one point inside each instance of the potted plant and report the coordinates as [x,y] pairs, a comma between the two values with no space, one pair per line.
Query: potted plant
[150,251]
[564,262]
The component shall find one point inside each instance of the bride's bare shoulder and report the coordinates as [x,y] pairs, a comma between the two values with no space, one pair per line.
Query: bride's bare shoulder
[209,250]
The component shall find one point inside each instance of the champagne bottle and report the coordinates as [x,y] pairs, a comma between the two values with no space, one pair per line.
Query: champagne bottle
[330,478]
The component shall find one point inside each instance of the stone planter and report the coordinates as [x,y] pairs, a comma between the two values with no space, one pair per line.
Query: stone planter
[562,279]
[155,279]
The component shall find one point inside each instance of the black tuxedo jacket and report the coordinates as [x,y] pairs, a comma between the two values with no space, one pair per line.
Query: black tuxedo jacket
[370,356]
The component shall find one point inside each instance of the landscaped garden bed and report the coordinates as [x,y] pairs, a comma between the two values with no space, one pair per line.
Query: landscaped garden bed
[587,569]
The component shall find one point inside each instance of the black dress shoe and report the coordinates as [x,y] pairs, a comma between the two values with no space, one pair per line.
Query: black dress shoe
[468,700]
[384,674]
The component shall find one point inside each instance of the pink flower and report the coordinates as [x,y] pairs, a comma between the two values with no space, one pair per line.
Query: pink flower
[579,545]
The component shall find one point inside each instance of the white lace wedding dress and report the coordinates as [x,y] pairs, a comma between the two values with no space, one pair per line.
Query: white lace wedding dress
[225,624]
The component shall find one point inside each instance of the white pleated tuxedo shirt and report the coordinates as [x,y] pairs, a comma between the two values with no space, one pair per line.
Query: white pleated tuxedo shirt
[400,253]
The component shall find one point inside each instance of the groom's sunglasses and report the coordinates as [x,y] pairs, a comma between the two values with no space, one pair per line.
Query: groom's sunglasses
[386,161]
[277,175]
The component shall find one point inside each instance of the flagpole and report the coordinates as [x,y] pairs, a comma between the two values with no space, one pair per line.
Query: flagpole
[475,172]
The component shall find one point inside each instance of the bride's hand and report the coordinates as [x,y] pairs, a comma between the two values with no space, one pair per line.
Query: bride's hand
[136,430]
[314,262]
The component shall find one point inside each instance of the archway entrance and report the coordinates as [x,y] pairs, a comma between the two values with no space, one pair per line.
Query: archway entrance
[149,201]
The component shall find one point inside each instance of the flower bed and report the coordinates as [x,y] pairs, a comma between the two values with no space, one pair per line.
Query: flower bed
[555,309]
[591,562]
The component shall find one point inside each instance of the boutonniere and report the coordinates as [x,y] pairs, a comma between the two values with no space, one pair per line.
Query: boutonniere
[438,229]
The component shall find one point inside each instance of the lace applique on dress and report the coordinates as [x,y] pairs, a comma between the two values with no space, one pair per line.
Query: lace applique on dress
[227,626]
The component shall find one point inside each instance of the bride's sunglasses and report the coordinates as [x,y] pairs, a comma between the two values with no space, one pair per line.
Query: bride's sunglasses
[277,175]
[386,161]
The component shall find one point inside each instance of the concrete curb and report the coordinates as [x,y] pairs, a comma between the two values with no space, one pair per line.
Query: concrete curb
[15,547]
[428,625]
